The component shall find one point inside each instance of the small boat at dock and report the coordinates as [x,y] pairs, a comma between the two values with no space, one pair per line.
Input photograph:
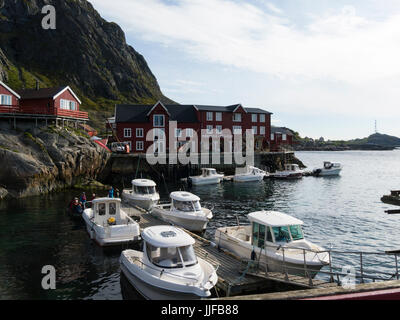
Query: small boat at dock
[208,176]
[276,240]
[329,169]
[291,171]
[184,210]
[249,173]
[108,224]
[168,268]
[143,194]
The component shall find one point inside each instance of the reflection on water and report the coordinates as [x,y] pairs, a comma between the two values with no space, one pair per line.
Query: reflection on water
[343,212]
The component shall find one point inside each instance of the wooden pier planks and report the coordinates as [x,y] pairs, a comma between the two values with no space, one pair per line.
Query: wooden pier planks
[230,279]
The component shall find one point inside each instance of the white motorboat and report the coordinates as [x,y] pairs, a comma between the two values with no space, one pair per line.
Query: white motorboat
[208,176]
[275,240]
[168,268]
[143,194]
[249,173]
[329,169]
[108,224]
[184,210]
[291,171]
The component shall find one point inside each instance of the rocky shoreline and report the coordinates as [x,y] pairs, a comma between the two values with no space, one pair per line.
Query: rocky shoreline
[40,161]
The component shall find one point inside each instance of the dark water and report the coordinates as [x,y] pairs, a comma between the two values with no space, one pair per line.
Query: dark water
[344,213]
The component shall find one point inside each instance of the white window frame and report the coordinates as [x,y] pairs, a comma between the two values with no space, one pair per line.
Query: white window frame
[209,116]
[68,105]
[5,97]
[137,145]
[262,117]
[127,130]
[254,128]
[218,129]
[237,129]
[272,136]
[189,132]
[262,130]
[178,132]
[254,117]
[210,129]
[284,137]
[157,132]
[235,119]
[218,116]
[159,116]
[140,134]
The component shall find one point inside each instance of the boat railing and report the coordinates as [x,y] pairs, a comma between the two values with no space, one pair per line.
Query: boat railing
[163,271]
[348,270]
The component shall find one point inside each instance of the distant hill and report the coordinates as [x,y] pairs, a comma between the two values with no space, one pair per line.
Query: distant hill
[376,141]
[84,51]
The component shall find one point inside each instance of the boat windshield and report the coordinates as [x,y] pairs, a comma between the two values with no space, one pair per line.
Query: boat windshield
[281,234]
[144,190]
[296,232]
[173,257]
[187,206]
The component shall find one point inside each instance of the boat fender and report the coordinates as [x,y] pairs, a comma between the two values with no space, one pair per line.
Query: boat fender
[111,221]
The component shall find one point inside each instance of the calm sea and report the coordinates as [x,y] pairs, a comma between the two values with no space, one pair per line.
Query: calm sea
[343,213]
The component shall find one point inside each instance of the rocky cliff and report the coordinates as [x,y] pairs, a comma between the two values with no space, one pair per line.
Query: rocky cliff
[84,51]
[43,160]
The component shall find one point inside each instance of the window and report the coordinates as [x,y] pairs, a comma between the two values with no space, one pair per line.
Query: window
[209,116]
[68,105]
[254,129]
[189,132]
[272,136]
[139,133]
[254,117]
[237,117]
[178,132]
[209,129]
[269,234]
[158,120]
[159,134]
[262,117]
[219,129]
[171,257]
[281,234]
[296,232]
[101,209]
[262,130]
[112,208]
[139,145]
[5,100]
[284,137]
[144,190]
[218,116]
[237,129]
[258,234]
[127,133]
[258,144]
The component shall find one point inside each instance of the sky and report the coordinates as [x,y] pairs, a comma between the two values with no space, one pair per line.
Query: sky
[325,68]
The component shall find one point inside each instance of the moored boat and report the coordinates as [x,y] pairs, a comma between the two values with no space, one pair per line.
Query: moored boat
[168,267]
[291,171]
[208,176]
[329,169]
[249,173]
[275,240]
[108,224]
[143,194]
[184,210]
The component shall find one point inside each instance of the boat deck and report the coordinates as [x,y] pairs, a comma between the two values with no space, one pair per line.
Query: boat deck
[231,280]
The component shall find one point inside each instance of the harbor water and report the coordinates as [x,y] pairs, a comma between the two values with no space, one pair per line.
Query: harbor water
[343,213]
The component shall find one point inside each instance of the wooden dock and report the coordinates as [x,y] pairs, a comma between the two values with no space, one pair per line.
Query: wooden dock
[232,279]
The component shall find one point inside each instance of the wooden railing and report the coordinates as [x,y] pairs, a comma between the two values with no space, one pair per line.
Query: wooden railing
[70,113]
[44,111]
[8,109]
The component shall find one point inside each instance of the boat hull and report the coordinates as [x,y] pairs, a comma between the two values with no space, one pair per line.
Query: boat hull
[200,181]
[146,204]
[189,223]
[150,292]
[331,172]
[248,178]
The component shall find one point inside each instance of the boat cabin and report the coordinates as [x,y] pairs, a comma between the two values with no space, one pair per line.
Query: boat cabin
[292,167]
[143,186]
[331,165]
[274,227]
[207,172]
[104,209]
[168,247]
[249,170]
[185,201]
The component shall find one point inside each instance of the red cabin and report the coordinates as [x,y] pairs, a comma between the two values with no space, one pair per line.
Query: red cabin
[9,99]
[281,139]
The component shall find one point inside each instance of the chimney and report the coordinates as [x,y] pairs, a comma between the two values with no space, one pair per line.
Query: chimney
[37,85]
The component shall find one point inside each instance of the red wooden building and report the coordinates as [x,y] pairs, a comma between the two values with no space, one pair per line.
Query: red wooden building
[281,139]
[133,122]
[58,104]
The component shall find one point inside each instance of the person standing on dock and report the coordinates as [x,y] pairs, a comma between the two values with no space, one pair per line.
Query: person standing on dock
[83,199]
[111,193]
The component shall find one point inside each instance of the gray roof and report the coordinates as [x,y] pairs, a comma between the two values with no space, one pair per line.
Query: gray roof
[282,130]
[230,108]
[138,113]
